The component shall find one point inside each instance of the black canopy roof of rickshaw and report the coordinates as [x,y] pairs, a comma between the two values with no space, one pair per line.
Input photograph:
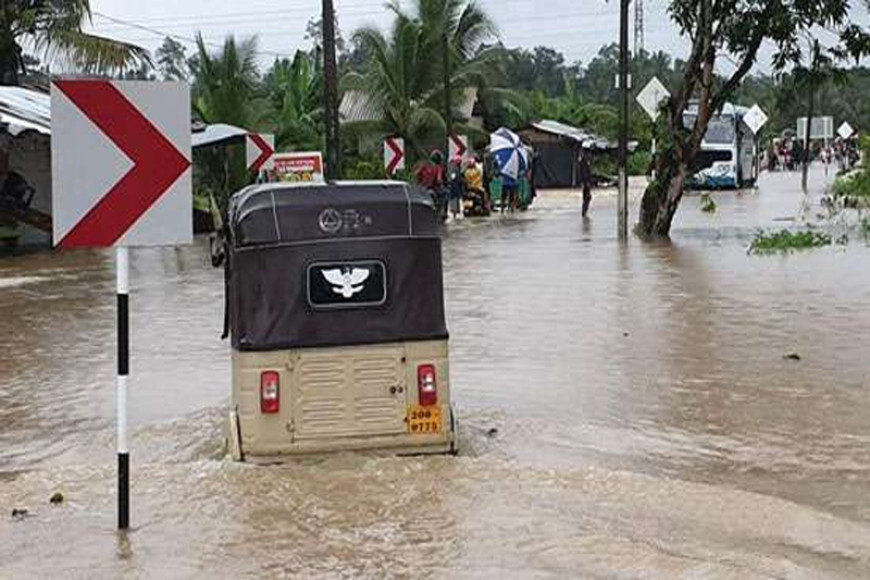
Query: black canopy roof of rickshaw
[282,238]
[282,212]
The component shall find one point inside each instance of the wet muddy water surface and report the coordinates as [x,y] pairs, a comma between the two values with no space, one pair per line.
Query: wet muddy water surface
[625,412]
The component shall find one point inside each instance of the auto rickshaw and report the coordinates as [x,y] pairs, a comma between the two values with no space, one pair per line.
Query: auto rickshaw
[336,317]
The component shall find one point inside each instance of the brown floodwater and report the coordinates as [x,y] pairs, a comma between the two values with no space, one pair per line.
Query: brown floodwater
[625,412]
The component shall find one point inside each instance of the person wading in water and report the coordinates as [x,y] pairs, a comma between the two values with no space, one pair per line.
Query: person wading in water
[586,181]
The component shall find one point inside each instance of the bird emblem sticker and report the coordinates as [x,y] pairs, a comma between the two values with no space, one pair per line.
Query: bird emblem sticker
[347,285]
[348,281]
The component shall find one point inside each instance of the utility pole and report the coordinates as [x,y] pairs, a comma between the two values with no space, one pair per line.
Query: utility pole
[330,94]
[448,105]
[811,81]
[624,94]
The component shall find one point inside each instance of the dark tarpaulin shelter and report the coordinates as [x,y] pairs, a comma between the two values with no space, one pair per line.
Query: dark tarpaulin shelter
[333,265]
[557,148]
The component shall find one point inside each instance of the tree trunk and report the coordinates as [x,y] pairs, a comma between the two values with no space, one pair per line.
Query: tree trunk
[662,197]
[810,111]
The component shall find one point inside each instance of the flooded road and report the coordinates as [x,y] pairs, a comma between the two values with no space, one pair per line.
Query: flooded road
[624,413]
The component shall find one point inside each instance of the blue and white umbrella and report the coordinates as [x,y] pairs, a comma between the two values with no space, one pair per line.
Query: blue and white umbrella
[509,153]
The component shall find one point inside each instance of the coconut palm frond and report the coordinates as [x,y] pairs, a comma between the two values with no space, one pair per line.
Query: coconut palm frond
[94,54]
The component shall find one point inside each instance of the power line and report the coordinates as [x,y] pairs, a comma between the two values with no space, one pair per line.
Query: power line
[596,14]
[179,37]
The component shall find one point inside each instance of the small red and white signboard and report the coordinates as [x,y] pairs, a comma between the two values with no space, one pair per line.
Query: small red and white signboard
[458,146]
[394,154]
[260,151]
[120,158]
[299,167]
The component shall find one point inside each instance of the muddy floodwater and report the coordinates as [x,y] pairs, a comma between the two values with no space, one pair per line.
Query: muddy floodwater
[624,413]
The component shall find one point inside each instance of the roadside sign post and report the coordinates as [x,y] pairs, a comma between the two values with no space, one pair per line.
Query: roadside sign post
[458,146]
[755,118]
[845,131]
[394,155]
[260,152]
[120,157]
[650,99]
[299,167]
[122,257]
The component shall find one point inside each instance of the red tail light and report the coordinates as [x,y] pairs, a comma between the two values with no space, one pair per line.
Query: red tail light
[427,385]
[269,392]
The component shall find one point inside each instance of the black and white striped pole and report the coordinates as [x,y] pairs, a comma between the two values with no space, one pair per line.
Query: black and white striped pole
[123,275]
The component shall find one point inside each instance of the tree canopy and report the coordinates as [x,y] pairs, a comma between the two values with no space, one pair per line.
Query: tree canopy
[732,29]
[54,29]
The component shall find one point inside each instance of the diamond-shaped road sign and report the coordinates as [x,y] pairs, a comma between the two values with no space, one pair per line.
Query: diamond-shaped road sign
[651,97]
[120,156]
[755,118]
[260,152]
[845,131]
[394,154]
[458,146]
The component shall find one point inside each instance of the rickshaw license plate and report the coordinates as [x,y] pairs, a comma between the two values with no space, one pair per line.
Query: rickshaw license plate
[423,420]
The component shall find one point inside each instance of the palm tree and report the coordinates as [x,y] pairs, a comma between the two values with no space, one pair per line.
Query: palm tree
[402,91]
[55,29]
[225,83]
[294,89]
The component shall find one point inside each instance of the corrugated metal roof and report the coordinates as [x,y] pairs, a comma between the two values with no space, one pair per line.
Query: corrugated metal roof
[25,110]
[585,139]
[217,134]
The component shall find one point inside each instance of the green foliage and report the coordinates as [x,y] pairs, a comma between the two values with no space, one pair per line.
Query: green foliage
[708,204]
[786,241]
[639,163]
[55,29]
[401,89]
[226,83]
[853,189]
[362,169]
[294,90]
[172,60]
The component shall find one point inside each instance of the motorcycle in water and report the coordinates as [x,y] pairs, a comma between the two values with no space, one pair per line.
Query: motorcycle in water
[439,201]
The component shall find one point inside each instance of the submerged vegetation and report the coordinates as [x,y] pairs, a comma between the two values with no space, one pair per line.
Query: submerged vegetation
[853,190]
[708,204]
[786,241]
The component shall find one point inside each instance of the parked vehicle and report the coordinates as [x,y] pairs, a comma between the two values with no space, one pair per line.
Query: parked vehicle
[336,315]
[728,155]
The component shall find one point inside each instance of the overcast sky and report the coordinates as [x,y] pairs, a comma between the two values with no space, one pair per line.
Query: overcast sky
[577,28]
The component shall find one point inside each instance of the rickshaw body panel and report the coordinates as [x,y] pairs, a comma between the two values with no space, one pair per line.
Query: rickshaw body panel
[344,398]
[348,355]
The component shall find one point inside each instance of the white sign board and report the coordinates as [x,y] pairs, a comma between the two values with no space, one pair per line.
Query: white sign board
[394,154]
[120,158]
[823,128]
[651,97]
[458,146]
[845,131]
[260,152]
[755,118]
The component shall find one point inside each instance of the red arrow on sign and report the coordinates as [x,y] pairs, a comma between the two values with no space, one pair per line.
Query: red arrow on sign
[266,152]
[157,163]
[460,149]
[398,155]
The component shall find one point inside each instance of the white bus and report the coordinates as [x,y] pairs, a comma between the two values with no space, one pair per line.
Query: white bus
[728,156]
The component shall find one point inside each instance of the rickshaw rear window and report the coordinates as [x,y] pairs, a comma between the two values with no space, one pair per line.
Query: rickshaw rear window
[354,284]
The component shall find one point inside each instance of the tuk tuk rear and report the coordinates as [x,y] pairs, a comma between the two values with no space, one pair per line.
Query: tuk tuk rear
[336,314]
